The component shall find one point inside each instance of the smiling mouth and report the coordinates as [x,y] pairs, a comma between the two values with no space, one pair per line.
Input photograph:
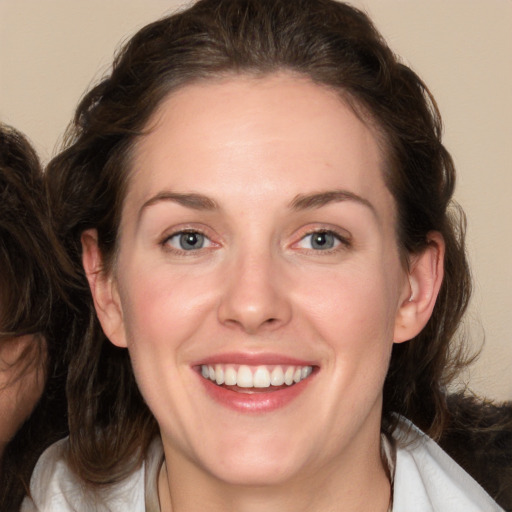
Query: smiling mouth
[247,379]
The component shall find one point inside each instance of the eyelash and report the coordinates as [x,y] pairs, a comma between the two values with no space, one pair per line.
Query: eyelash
[341,242]
[165,242]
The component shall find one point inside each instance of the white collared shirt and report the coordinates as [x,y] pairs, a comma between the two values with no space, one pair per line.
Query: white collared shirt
[425,479]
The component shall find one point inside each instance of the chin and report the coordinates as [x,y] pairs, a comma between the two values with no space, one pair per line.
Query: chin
[261,463]
[263,472]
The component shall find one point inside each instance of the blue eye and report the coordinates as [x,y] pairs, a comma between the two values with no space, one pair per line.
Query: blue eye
[188,241]
[320,241]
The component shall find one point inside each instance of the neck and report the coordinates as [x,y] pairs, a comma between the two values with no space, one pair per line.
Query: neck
[354,482]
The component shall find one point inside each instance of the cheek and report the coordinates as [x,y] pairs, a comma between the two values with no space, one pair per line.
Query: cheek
[163,307]
[354,301]
[353,312]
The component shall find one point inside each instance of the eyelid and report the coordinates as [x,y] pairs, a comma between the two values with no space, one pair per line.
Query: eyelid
[179,230]
[181,233]
[343,237]
[335,238]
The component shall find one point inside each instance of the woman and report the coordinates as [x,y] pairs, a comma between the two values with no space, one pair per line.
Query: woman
[30,360]
[261,203]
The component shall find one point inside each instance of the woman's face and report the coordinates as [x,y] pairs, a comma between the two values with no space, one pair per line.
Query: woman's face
[258,248]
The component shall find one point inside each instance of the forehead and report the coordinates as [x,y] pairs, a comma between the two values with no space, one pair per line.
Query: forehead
[256,133]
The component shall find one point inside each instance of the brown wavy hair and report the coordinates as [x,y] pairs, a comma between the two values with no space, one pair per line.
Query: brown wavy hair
[30,300]
[332,44]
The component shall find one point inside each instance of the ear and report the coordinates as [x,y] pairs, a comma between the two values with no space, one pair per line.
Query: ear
[103,289]
[426,271]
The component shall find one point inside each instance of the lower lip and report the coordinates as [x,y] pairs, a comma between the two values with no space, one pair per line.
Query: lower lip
[257,402]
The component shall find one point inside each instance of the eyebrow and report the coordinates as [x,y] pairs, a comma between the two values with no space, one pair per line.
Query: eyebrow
[317,200]
[193,201]
[299,202]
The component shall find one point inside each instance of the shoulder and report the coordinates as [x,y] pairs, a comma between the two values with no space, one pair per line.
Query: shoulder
[429,480]
[54,487]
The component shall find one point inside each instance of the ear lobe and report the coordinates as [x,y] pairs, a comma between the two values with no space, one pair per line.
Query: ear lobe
[425,278]
[103,289]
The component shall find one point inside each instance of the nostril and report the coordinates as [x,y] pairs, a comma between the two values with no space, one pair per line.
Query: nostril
[252,307]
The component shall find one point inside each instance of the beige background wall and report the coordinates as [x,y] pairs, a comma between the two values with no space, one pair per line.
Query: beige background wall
[51,51]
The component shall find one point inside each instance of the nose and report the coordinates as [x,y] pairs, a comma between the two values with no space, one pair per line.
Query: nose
[254,297]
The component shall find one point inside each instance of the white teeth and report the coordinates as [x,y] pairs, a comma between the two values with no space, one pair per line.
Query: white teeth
[288,376]
[219,374]
[262,376]
[277,376]
[230,376]
[306,372]
[244,377]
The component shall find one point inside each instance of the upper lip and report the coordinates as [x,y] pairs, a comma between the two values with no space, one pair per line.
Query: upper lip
[254,359]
